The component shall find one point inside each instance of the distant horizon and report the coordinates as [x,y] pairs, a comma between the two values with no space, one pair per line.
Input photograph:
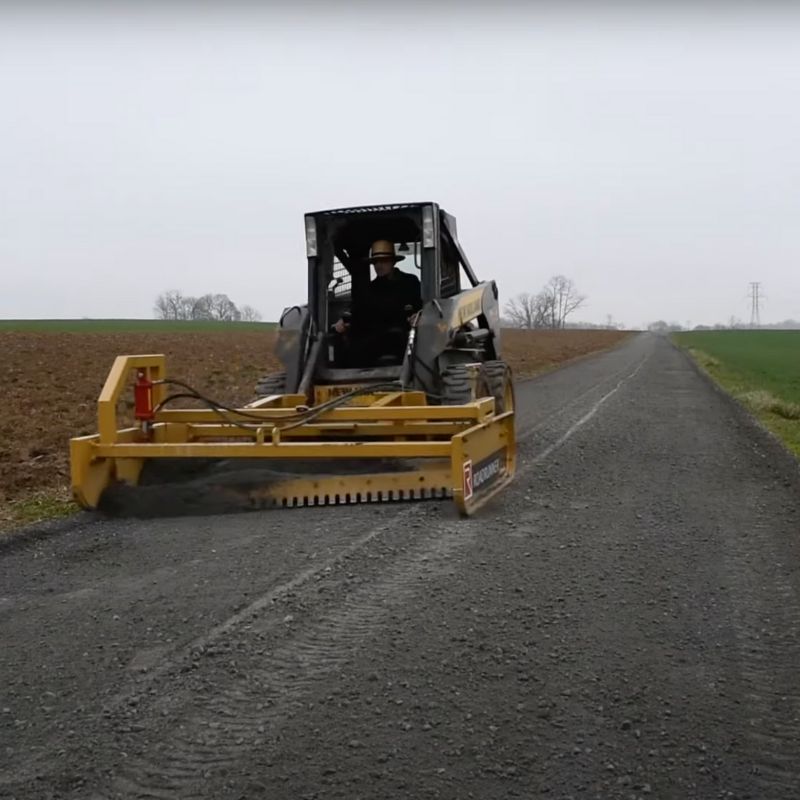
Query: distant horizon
[787,324]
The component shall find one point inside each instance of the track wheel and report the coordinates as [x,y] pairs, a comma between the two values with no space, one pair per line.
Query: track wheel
[274,383]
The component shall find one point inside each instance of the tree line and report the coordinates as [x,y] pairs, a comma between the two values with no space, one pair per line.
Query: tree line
[733,324]
[549,308]
[173,304]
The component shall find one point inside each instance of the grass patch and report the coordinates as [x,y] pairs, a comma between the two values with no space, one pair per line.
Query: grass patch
[767,360]
[704,359]
[42,505]
[763,402]
[761,369]
[129,326]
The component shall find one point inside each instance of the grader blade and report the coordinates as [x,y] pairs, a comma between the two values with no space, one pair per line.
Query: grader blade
[238,485]
[383,446]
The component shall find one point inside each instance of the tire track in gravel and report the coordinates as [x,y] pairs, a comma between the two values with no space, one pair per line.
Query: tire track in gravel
[581,421]
[222,726]
[767,636]
[173,656]
[637,350]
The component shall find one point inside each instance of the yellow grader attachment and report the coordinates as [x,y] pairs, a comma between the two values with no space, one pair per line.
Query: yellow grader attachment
[368,445]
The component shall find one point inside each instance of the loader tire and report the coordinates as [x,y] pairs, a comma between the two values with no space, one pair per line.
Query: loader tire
[274,383]
[456,385]
[494,380]
[500,383]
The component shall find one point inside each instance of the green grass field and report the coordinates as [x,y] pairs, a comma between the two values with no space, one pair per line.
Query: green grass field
[127,325]
[760,368]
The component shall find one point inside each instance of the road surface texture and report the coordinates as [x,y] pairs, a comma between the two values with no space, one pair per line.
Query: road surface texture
[623,622]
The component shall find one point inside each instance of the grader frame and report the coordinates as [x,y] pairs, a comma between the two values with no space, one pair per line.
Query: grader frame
[465,452]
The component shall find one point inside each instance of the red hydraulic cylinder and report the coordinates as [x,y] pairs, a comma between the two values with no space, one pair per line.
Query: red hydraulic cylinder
[143,398]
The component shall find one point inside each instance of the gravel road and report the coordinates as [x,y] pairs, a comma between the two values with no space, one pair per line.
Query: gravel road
[623,622]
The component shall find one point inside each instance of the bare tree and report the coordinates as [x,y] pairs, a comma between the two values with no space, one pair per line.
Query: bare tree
[188,307]
[213,306]
[519,310]
[183,306]
[660,326]
[250,314]
[527,311]
[176,305]
[201,307]
[169,305]
[223,308]
[547,309]
[562,299]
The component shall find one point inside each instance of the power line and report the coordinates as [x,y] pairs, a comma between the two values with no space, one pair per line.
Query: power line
[755,304]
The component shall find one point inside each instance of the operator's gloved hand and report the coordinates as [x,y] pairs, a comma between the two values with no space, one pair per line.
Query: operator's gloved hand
[411,315]
[343,324]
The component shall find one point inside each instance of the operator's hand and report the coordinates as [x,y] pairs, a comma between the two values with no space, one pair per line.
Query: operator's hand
[341,326]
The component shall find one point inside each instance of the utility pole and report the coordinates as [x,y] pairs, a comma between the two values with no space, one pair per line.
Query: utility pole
[755,305]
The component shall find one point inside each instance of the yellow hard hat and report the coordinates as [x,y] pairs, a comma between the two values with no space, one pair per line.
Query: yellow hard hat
[383,248]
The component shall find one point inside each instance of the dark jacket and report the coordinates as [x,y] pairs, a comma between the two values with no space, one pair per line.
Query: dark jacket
[391,300]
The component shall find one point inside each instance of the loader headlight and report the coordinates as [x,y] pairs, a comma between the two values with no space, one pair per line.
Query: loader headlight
[311,237]
[427,227]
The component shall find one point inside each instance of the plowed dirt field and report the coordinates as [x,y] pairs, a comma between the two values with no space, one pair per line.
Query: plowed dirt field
[52,380]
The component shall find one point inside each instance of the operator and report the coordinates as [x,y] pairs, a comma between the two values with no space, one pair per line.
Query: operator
[391,301]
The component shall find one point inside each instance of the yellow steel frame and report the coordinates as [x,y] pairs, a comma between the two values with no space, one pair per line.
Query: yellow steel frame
[465,452]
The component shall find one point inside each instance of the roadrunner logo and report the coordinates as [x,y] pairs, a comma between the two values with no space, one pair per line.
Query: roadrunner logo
[482,474]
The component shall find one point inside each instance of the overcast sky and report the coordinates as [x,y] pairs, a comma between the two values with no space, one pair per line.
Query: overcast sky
[652,157]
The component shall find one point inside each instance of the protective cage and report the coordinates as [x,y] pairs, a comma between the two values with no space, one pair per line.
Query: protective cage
[376,446]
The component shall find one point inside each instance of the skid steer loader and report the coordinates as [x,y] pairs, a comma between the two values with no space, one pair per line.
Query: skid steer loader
[365,409]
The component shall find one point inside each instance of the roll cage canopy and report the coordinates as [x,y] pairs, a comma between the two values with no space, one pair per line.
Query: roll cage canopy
[338,243]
